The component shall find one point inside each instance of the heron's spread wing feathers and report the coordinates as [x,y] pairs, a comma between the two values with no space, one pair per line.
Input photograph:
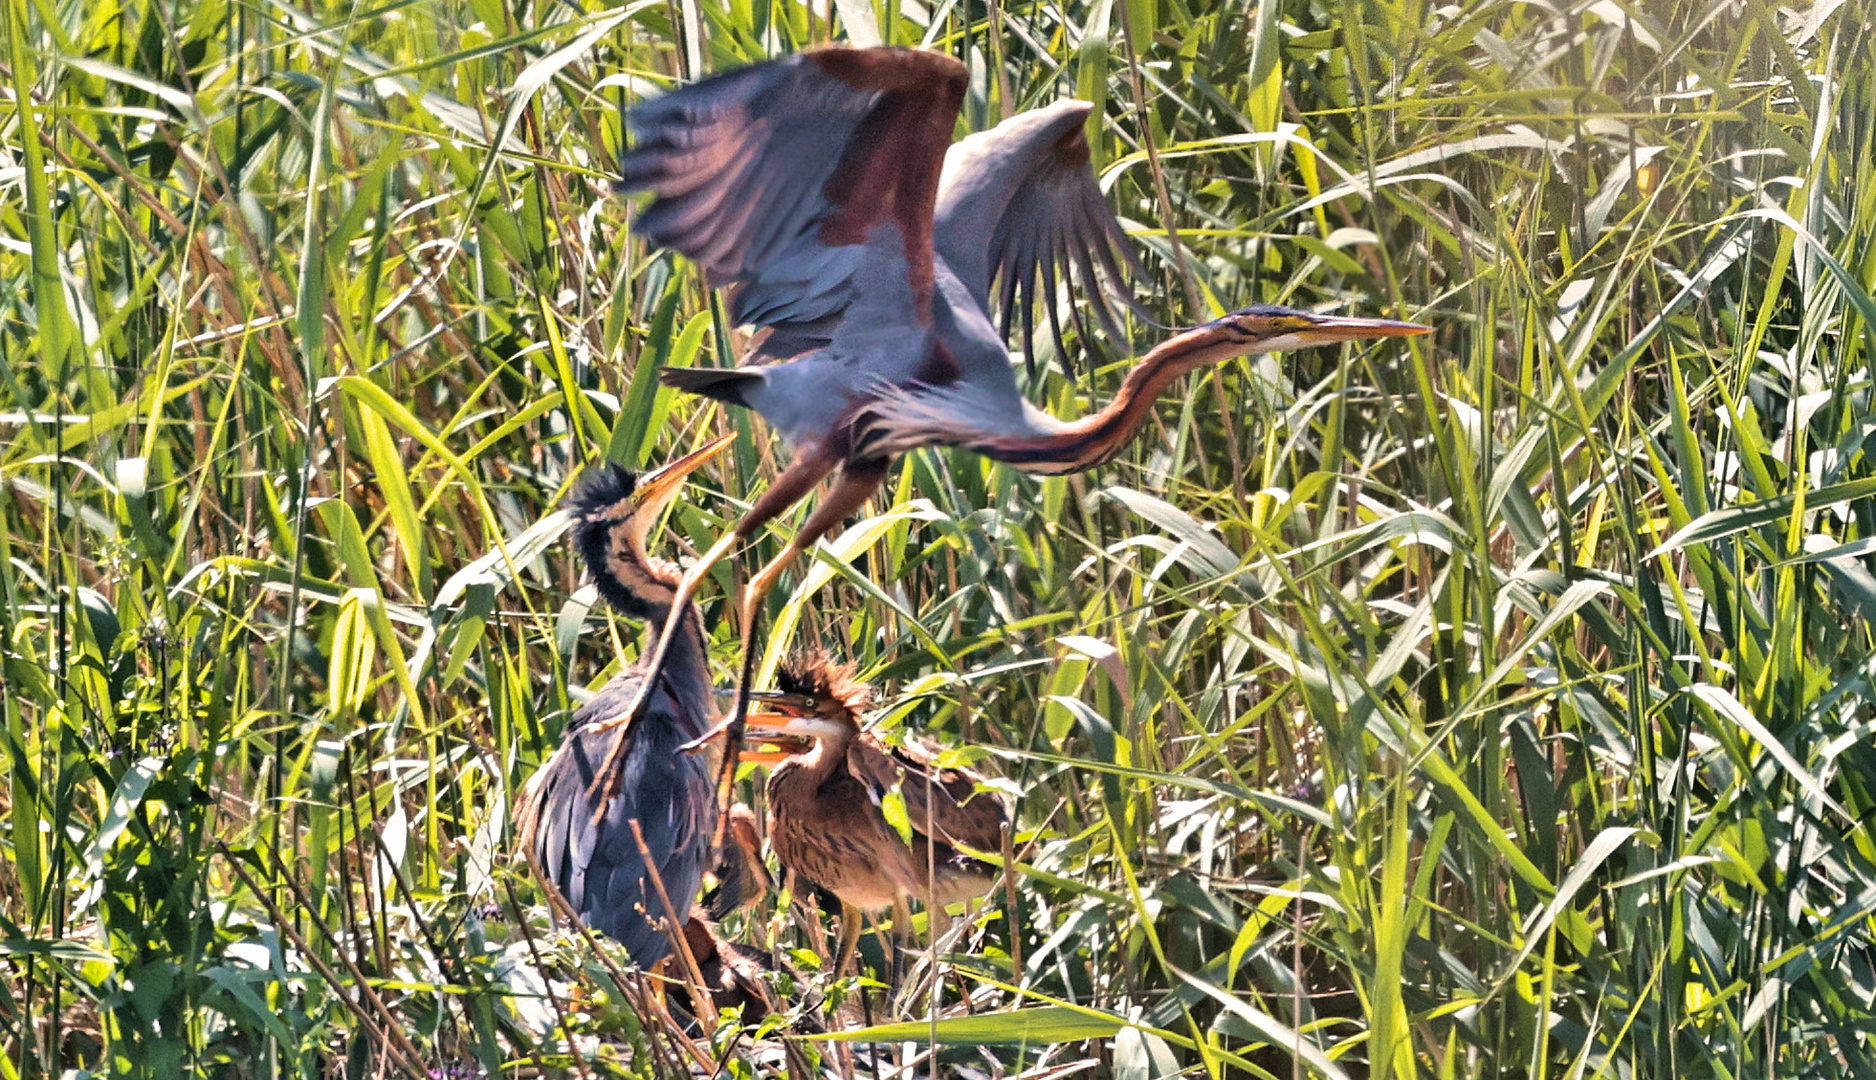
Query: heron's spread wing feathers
[776,178]
[1019,205]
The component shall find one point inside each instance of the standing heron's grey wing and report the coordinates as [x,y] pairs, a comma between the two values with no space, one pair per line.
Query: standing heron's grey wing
[784,179]
[1019,206]
[597,866]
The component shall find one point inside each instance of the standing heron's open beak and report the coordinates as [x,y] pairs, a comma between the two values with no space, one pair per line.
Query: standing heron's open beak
[781,701]
[786,718]
[657,488]
[791,716]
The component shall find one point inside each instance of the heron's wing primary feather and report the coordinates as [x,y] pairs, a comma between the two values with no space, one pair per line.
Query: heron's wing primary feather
[786,179]
[1019,207]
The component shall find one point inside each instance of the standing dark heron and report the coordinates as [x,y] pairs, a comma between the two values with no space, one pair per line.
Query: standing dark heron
[825,821]
[589,853]
[824,192]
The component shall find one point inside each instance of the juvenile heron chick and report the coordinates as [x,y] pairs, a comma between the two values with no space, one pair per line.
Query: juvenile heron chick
[585,848]
[825,817]
[741,878]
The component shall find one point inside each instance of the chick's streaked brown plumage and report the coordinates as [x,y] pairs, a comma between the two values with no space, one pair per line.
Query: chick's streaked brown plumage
[826,821]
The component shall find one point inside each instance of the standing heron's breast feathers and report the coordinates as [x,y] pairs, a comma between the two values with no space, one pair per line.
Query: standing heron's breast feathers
[595,861]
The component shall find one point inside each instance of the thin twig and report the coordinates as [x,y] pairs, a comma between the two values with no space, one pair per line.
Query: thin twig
[701,1001]
[1010,924]
[1153,165]
[553,999]
[351,966]
[626,983]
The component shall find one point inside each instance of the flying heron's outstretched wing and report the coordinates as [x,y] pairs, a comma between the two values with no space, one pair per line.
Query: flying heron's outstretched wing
[800,182]
[598,866]
[1019,205]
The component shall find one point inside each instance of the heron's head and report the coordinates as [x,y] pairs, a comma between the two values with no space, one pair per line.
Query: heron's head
[815,699]
[1263,328]
[613,510]
[744,832]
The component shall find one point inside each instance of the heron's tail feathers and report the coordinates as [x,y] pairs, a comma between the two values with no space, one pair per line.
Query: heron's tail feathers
[723,384]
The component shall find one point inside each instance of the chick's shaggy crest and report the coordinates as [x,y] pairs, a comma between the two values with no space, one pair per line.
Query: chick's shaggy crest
[818,675]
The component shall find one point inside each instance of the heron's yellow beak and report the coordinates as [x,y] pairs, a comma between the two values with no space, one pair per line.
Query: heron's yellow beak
[768,755]
[792,716]
[790,719]
[657,488]
[1268,328]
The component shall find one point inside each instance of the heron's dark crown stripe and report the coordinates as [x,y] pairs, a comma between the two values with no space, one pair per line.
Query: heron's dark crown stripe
[603,493]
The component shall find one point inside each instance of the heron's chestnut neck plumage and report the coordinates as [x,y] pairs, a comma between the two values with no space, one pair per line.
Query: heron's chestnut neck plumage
[1158,369]
[1100,436]
[609,527]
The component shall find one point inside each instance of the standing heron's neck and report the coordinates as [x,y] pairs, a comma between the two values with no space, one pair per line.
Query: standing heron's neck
[689,651]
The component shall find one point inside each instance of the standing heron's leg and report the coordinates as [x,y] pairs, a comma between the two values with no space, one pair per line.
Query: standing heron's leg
[850,919]
[902,936]
[796,481]
[857,482]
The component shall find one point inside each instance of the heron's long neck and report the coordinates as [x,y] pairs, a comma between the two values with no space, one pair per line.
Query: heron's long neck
[689,650]
[641,589]
[1098,437]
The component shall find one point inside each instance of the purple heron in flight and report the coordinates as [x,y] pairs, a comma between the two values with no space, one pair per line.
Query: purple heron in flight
[825,821]
[824,193]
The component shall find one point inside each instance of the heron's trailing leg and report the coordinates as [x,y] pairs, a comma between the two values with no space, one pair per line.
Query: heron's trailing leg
[857,482]
[796,481]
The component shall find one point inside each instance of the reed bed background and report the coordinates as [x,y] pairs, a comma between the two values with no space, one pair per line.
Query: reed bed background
[1496,704]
